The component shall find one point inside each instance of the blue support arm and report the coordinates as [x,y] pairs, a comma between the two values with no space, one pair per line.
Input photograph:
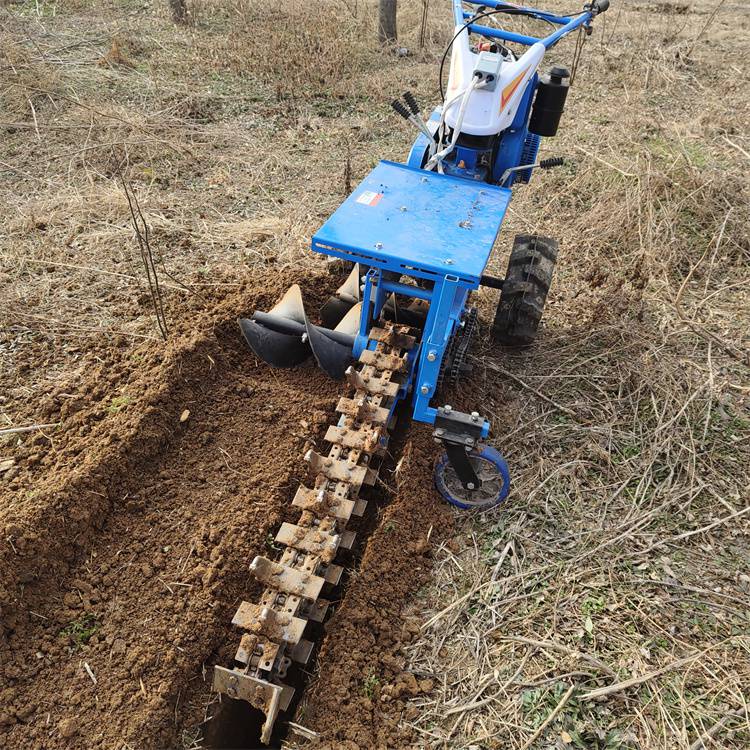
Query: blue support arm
[567,24]
[499,5]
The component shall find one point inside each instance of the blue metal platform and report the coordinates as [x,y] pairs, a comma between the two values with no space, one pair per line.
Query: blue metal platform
[417,222]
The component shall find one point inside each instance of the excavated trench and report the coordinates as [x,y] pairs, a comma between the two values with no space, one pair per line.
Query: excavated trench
[234,724]
[125,566]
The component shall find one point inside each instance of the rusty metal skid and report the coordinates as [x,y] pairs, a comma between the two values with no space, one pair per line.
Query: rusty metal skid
[293,584]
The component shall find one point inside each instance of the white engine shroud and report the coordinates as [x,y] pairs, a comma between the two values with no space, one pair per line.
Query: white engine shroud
[488,111]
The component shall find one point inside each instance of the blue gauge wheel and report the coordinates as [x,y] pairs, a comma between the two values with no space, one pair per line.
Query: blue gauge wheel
[491,469]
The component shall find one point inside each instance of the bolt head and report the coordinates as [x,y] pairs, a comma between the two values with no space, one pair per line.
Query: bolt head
[439,431]
[447,407]
[469,441]
[379,245]
[470,486]
[424,390]
[431,356]
[449,261]
[474,416]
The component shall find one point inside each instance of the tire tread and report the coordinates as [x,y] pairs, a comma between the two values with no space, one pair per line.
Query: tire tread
[527,282]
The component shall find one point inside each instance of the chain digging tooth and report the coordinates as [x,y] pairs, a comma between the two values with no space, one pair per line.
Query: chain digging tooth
[315,611]
[333,574]
[347,539]
[263,620]
[323,503]
[274,628]
[301,652]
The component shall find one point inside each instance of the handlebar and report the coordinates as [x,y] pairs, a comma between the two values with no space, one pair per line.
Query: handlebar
[566,23]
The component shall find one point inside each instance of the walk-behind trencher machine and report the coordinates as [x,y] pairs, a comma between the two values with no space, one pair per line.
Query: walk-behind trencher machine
[418,237]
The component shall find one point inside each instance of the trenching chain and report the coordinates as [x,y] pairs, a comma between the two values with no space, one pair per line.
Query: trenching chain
[274,627]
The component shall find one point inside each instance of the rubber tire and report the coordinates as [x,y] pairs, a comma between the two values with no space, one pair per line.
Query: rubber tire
[530,269]
[487,453]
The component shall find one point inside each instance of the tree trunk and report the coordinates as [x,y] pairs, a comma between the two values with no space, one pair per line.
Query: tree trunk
[387,21]
[179,11]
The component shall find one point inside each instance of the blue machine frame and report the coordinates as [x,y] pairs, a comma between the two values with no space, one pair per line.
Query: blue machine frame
[405,221]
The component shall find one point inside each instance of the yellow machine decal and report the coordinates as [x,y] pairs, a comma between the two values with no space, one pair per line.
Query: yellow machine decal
[510,89]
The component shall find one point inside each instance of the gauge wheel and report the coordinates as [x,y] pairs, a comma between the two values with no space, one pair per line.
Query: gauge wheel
[491,469]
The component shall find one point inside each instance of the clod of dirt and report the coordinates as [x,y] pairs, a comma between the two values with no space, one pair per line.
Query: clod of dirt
[67,728]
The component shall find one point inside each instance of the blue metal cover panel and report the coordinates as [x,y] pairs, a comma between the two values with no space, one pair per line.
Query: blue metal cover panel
[401,218]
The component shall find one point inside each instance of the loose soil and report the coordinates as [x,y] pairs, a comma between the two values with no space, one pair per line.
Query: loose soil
[128,532]
[122,571]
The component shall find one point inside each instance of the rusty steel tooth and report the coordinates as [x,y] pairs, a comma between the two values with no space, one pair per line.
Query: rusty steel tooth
[395,336]
[315,611]
[333,574]
[301,652]
[286,579]
[323,503]
[375,386]
[274,628]
[255,650]
[266,621]
[384,361]
[363,410]
[246,649]
[314,541]
[347,539]
[339,470]
[361,439]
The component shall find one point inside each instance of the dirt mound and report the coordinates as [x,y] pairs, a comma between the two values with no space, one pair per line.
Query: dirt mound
[358,698]
[125,560]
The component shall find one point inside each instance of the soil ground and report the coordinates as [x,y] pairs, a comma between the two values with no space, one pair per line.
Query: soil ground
[156,470]
[127,562]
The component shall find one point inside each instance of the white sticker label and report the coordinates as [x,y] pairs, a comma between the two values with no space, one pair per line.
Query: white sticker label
[369,198]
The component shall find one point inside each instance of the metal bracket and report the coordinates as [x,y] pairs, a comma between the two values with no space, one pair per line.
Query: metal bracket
[371,383]
[459,433]
[460,462]
[363,411]
[323,503]
[313,540]
[286,579]
[261,694]
[383,361]
[265,621]
[339,470]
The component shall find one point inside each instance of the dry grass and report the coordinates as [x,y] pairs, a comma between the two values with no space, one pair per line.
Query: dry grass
[233,165]
[606,604]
